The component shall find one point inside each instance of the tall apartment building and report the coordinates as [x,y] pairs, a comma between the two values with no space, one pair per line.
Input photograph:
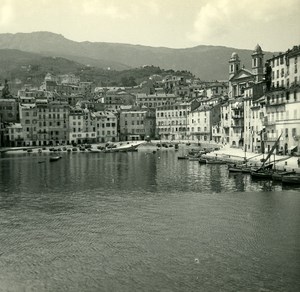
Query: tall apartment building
[44,123]
[201,121]
[136,124]
[282,102]
[172,121]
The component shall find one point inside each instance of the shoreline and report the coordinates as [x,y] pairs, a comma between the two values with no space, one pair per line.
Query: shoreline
[231,155]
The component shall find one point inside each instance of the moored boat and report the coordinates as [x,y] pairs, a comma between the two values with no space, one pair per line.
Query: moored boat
[202,160]
[240,168]
[93,150]
[195,158]
[261,174]
[215,161]
[182,157]
[278,175]
[291,179]
[54,158]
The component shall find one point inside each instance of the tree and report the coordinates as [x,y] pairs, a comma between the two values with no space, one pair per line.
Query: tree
[5,90]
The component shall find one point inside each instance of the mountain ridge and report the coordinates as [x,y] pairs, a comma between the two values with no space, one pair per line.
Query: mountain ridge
[205,61]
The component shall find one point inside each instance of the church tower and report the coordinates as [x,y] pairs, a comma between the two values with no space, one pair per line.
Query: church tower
[234,65]
[257,63]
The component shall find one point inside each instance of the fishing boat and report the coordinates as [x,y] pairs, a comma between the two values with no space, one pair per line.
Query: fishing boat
[215,161]
[93,150]
[202,160]
[277,176]
[235,169]
[183,157]
[262,174]
[193,158]
[54,158]
[291,179]
[266,170]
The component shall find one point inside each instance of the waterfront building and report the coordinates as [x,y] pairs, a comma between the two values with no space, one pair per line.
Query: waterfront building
[13,135]
[106,126]
[28,119]
[216,131]
[254,113]
[150,124]
[132,124]
[52,123]
[44,123]
[225,122]
[201,120]
[282,103]
[282,118]
[82,126]
[172,122]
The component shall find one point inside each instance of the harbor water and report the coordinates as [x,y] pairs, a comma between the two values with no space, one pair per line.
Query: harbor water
[143,221]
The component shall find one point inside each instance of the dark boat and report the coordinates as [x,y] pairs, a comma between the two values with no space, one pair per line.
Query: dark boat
[262,174]
[215,161]
[182,157]
[291,179]
[202,160]
[240,168]
[278,175]
[54,158]
[235,169]
[194,158]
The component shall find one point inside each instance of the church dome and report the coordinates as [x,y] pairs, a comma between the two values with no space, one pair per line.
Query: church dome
[234,56]
[258,49]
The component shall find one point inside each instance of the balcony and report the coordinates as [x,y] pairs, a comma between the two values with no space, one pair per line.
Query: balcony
[201,133]
[268,123]
[270,138]
[281,103]
[237,116]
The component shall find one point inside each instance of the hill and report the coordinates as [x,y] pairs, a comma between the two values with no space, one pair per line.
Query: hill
[23,67]
[206,62]
[32,68]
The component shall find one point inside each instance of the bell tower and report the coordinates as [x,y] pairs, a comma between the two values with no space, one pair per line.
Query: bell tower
[234,65]
[258,63]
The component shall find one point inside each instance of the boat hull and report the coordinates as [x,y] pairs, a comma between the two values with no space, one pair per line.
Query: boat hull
[261,175]
[291,179]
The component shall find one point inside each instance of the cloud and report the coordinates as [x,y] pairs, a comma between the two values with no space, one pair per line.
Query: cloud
[220,19]
[104,8]
[6,13]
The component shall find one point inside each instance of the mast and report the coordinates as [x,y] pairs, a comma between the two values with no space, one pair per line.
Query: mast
[272,150]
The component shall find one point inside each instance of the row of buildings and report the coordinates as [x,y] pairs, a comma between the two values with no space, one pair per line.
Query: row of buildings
[252,109]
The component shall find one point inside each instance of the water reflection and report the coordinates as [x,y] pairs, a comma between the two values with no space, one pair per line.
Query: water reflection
[137,221]
[134,171]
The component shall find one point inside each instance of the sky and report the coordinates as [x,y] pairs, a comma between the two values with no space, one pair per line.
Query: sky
[274,24]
